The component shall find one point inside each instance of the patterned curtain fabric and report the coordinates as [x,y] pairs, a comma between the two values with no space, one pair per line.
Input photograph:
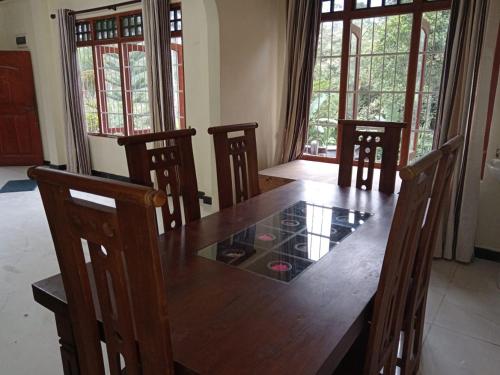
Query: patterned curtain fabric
[77,144]
[303,22]
[460,112]
[156,23]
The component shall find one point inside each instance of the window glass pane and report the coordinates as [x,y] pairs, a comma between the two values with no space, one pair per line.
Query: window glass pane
[338,5]
[110,88]
[378,68]
[87,79]
[136,88]
[176,20]
[83,32]
[430,65]
[131,25]
[325,6]
[328,6]
[178,81]
[323,114]
[106,29]
[360,4]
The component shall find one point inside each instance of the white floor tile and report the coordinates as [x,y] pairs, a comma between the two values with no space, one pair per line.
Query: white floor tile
[485,303]
[446,352]
[441,275]
[12,173]
[482,275]
[459,319]
[434,300]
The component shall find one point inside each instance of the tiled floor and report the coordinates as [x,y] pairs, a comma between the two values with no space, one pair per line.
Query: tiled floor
[463,317]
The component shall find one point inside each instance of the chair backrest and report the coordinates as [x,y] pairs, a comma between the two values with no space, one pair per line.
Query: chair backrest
[415,306]
[124,266]
[402,245]
[387,137]
[241,152]
[171,160]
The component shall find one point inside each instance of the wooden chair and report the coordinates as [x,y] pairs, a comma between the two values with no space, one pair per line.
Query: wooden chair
[241,152]
[405,235]
[415,308]
[387,139]
[172,161]
[130,293]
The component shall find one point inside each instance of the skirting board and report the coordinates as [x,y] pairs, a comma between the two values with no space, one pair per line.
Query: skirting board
[111,176]
[487,254]
[61,167]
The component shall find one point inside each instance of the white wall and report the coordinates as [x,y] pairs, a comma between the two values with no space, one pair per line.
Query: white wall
[252,35]
[488,233]
[202,84]
[3,35]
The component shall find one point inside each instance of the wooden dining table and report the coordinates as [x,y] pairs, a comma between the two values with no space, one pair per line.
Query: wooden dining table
[227,320]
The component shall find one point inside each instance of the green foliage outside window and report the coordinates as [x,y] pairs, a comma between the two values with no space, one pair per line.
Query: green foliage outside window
[86,64]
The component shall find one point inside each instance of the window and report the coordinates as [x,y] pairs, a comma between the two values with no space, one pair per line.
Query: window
[112,60]
[377,60]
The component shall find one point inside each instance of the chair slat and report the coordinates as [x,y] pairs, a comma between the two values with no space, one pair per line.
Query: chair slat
[171,160]
[236,161]
[387,139]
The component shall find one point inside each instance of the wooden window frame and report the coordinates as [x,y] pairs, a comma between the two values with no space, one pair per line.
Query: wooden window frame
[417,8]
[121,41]
[425,28]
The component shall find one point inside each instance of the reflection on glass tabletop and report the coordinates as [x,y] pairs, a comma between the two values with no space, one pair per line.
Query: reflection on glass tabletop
[284,244]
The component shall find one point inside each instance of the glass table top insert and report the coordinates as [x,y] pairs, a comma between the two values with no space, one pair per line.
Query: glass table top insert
[284,244]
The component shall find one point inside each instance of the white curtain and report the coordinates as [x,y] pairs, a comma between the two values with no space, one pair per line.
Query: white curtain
[156,23]
[463,107]
[77,144]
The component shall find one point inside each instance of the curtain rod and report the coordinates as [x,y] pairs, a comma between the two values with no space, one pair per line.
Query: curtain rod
[106,7]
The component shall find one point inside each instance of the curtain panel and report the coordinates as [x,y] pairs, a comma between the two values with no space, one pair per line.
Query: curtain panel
[156,25]
[302,33]
[462,110]
[77,143]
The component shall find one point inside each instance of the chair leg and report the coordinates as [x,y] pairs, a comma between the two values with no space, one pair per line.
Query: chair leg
[408,339]
[68,346]
[413,337]
[392,362]
[419,334]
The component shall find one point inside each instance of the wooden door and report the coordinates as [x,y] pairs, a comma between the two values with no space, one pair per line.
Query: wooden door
[20,141]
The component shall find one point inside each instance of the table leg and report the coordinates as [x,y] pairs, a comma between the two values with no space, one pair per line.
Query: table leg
[68,346]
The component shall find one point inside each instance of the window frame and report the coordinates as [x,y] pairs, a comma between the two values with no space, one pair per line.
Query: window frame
[349,13]
[121,41]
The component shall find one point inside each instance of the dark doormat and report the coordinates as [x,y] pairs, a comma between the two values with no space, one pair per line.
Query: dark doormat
[15,186]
